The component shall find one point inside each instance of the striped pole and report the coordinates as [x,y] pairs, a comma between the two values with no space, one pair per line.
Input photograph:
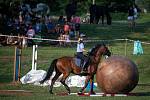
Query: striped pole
[34,57]
[35,61]
[105,94]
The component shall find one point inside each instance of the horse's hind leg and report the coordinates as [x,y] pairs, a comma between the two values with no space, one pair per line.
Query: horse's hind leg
[53,81]
[63,82]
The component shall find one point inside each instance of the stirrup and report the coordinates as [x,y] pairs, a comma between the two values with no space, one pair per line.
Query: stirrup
[83,71]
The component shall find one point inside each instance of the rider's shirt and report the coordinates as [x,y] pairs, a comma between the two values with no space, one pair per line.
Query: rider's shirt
[80,47]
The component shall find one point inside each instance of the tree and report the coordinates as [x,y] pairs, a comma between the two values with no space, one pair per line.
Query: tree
[144,4]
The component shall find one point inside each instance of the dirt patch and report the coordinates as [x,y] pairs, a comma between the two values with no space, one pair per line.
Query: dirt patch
[16,92]
[10,58]
[10,84]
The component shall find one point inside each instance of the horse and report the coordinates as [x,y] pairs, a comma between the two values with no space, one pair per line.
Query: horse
[66,65]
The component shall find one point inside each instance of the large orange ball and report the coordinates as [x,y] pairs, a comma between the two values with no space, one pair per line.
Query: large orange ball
[117,74]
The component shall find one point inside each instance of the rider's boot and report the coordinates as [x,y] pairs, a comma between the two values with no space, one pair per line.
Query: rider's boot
[84,68]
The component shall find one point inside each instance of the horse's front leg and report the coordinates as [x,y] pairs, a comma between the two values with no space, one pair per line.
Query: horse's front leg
[86,83]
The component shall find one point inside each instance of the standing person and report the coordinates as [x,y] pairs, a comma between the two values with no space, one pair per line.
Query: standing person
[30,33]
[80,51]
[66,28]
[131,16]
[135,12]
[61,20]
[70,9]
[92,10]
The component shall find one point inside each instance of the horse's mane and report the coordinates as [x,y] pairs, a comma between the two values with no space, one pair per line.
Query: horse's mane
[94,49]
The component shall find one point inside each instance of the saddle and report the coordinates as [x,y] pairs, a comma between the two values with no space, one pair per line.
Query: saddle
[78,61]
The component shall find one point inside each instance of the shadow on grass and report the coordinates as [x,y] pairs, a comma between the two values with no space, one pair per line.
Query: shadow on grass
[141,94]
[144,84]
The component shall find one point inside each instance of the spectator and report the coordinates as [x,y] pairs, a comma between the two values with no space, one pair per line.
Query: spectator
[131,16]
[61,20]
[30,34]
[61,40]
[77,30]
[67,40]
[76,20]
[27,19]
[135,12]
[50,27]
[66,28]
[72,30]
[38,27]
[47,18]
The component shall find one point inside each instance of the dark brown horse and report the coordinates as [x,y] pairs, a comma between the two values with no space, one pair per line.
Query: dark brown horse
[66,65]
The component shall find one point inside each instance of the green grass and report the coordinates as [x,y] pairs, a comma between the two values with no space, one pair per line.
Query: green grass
[118,29]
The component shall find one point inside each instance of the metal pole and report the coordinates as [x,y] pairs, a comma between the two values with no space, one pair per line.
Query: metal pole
[14,65]
[93,2]
[19,69]
[126,41]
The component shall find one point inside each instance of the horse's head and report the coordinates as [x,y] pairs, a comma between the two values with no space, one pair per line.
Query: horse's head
[106,51]
[102,49]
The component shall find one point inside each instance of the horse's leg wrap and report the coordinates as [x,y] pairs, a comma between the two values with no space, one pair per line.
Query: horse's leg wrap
[50,89]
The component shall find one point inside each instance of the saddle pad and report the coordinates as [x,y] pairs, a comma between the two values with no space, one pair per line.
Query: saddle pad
[77,62]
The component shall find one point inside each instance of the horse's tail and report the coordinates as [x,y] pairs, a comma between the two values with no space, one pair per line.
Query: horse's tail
[50,71]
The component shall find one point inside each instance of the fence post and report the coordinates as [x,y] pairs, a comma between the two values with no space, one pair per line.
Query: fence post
[126,42]
[17,64]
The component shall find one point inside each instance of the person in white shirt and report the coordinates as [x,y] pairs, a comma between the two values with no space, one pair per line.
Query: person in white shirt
[80,54]
[30,33]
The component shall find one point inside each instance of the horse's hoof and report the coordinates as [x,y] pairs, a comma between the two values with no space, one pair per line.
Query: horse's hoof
[51,92]
[80,93]
[68,93]
[41,82]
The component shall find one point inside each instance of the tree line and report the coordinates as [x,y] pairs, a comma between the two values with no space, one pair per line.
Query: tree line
[58,6]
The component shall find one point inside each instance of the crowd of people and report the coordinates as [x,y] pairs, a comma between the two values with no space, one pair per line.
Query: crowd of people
[26,22]
[44,26]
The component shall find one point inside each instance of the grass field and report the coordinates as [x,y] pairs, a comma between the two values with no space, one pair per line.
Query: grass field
[118,29]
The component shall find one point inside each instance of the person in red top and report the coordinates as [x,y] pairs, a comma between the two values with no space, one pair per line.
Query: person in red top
[66,35]
[66,28]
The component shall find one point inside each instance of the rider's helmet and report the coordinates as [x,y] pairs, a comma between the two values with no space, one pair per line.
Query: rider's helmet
[80,39]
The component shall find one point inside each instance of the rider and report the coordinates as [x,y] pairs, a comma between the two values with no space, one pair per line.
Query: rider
[80,50]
